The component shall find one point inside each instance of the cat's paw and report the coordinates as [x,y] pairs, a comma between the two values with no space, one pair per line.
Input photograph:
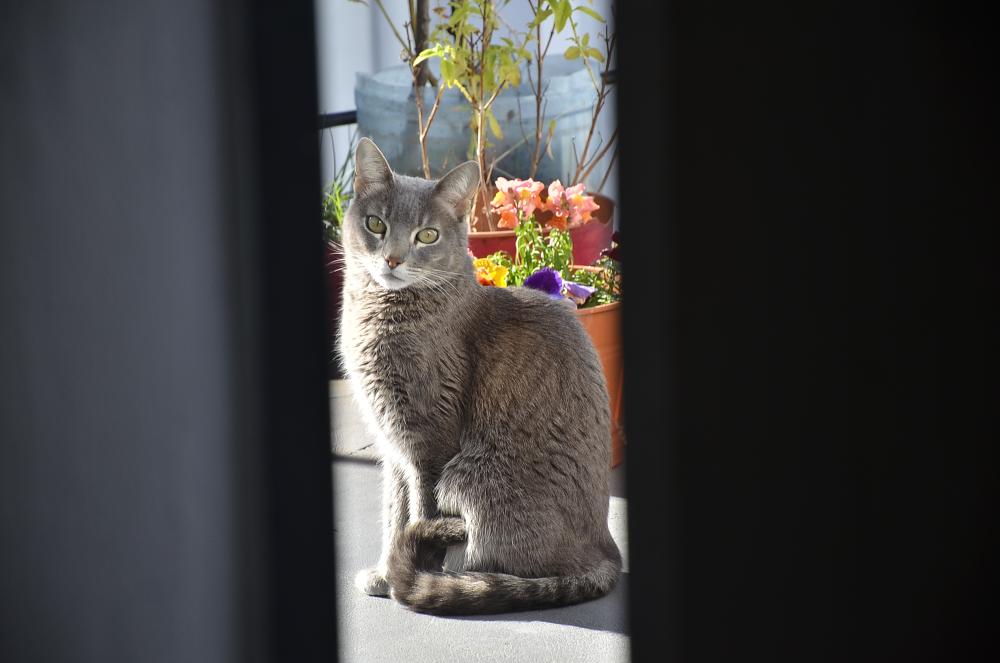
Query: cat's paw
[372,582]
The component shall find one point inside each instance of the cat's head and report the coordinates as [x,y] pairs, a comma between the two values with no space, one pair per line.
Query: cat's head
[406,231]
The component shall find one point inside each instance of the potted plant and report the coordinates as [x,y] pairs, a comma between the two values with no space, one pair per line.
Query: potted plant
[465,90]
[543,259]
[470,61]
[492,90]
[590,229]
[336,197]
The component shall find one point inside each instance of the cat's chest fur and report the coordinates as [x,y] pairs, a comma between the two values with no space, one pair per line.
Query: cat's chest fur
[404,370]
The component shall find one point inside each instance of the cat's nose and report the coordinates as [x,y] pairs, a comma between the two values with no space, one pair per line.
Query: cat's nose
[393,262]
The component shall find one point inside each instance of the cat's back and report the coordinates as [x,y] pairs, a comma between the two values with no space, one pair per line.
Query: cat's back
[538,393]
[532,311]
[533,332]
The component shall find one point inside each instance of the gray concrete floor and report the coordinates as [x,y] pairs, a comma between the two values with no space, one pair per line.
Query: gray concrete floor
[376,629]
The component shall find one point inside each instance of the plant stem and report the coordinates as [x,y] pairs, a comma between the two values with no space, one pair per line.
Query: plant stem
[576,39]
[583,163]
[422,128]
[582,157]
[597,157]
[399,37]
[421,76]
[481,110]
[600,187]
[421,24]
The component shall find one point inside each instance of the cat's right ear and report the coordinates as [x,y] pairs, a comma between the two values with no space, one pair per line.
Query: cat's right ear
[371,169]
[458,186]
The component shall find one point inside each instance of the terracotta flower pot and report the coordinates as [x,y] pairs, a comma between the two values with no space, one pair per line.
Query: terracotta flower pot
[603,324]
[588,240]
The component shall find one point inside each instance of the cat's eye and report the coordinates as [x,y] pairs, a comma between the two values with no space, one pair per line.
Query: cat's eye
[427,236]
[375,224]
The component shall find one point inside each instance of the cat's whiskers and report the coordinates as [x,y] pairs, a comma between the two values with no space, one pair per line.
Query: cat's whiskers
[435,270]
[428,276]
[348,259]
[434,286]
[445,289]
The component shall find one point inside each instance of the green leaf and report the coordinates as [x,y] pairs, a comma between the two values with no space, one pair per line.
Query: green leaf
[494,126]
[465,93]
[591,13]
[595,54]
[513,76]
[562,10]
[572,53]
[448,72]
[540,18]
[434,51]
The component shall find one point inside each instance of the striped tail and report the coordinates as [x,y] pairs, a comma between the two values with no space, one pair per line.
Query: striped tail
[417,582]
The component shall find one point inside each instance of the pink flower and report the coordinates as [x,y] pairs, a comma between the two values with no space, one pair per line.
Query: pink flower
[505,193]
[556,203]
[580,205]
[569,205]
[527,194]
[516,199]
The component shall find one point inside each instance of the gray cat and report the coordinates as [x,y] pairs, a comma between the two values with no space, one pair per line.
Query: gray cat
[489,405]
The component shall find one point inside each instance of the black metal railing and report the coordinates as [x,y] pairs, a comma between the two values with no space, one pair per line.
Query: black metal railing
[339,119]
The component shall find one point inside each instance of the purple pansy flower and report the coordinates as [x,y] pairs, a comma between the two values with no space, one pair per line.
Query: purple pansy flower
[547,280]
[578,292]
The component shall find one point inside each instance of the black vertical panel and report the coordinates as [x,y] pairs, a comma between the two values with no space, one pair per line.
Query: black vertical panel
[807,214]
[164,464]
[295,355]
[648,256]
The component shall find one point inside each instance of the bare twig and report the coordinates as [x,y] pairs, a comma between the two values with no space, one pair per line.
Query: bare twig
[614,155]
[600,154]
[399,37]
[481,110]
[422,127]
[540,53]
[418,15]
[584,163]
[506,153]
[420,21]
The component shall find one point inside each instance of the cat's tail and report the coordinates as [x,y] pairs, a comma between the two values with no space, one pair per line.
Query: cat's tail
[414,584]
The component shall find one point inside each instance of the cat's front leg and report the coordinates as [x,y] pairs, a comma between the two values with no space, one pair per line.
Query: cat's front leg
[395,515]
[423,501]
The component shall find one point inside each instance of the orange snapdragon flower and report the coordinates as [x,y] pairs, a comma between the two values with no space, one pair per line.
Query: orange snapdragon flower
[516,199]
[569,205]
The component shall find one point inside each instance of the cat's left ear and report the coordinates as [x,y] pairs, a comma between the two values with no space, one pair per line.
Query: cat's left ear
[371,168]
[458,186]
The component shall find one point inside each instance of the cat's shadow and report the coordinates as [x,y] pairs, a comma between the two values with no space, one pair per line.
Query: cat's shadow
[608,613]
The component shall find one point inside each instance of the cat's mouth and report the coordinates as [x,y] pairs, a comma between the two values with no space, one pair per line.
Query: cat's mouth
[390,280]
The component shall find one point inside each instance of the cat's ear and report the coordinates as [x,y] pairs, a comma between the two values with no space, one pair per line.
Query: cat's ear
[457,187]
[371,169]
